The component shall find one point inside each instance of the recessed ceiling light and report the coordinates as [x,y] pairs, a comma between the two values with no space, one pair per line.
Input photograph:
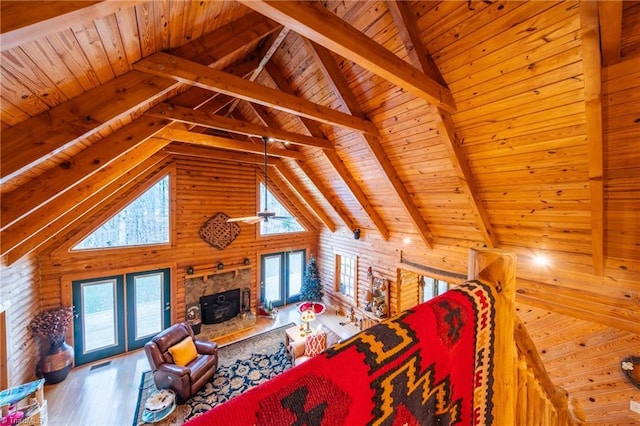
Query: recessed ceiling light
[406,240]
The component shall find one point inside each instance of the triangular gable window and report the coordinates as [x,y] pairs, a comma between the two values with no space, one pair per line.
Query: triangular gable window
[283,223]
[145,221]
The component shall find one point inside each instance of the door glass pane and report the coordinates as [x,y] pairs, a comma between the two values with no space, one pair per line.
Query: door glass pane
[272,283]
[296,267]
[99,315]
[148,304]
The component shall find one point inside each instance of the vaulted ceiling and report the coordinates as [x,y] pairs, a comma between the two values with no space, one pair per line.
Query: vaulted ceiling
[497,123]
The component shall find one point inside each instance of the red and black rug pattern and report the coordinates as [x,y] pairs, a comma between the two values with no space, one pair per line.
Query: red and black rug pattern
[429,365]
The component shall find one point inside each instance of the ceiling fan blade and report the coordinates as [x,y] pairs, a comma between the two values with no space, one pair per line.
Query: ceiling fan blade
[253,220]
[243,219]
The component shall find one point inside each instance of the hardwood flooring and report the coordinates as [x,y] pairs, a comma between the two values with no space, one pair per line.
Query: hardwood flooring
[106,392]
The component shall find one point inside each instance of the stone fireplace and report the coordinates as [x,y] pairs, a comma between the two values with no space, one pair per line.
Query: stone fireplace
[222,301]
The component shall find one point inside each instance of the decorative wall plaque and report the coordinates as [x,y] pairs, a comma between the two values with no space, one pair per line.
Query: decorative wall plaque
[218,232]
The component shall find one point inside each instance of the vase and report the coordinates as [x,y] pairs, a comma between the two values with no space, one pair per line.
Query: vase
[57,362]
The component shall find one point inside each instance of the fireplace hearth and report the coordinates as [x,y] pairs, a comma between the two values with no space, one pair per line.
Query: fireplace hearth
[220,307]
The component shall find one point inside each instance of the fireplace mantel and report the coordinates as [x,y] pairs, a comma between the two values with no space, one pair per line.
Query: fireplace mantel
[209,272]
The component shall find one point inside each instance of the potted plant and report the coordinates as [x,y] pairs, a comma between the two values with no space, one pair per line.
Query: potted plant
[51,326]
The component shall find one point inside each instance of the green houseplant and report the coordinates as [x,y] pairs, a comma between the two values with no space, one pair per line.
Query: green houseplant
[51,326]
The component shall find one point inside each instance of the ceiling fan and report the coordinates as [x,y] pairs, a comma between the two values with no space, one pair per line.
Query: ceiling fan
[266,214]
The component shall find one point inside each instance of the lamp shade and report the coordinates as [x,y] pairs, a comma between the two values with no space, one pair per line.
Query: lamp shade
[308,316]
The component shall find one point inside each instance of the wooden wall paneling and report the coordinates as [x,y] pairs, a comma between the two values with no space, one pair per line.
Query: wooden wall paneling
[463,74]
[479,29]
[20,300]
[630,40]
[109,33]
[20,24]
[421,58]
[621,163]
[42,52]
[584,358]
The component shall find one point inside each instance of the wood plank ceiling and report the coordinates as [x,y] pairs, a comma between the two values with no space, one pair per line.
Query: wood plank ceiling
[460,124]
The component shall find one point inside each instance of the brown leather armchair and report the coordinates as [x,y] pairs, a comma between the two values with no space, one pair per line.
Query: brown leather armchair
[187,380]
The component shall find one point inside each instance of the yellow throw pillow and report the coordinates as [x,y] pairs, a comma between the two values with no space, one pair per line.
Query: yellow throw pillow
[184,352]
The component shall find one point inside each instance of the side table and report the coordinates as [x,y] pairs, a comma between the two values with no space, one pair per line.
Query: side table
[292,335]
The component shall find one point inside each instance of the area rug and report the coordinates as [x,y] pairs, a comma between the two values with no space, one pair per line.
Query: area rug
[241,366]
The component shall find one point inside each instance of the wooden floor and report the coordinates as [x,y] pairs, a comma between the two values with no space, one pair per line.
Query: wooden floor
[107,395]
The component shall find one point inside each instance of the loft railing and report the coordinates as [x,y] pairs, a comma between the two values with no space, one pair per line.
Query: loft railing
[524,393]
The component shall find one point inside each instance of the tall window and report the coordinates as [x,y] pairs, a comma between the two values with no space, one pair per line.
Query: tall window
[145,221]
[285,222]
[432,287]
[346,275]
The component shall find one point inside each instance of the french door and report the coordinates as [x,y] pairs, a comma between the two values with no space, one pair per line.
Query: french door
[281,279]
[119,313]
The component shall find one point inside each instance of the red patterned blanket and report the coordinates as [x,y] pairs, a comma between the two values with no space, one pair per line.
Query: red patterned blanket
[429,365]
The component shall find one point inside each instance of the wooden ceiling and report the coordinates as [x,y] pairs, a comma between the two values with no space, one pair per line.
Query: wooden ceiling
[459,123]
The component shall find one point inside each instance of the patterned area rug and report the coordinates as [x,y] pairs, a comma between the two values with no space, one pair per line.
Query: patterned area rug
[241,366]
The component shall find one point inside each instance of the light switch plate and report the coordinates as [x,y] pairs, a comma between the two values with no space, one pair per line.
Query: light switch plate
[635,406]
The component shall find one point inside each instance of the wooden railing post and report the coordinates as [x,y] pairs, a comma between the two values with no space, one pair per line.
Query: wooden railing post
[497,268]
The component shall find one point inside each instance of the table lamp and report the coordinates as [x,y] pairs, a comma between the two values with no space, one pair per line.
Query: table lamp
[307,317]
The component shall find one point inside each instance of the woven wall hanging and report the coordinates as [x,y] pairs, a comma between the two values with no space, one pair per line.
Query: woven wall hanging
[218,232]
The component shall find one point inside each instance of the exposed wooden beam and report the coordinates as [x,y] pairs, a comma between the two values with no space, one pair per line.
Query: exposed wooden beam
[421,59]
[26,21]
[187,115]
[268,121]
[313,21]
[271,44]
[591,59]
[302,193]
[57,181]
[21,230]
[36,139]
[50,233]
[337,163]
[343,92]
[188,150]
[596,308]
[189,72]
[180,135]
[610,12]
[227,41]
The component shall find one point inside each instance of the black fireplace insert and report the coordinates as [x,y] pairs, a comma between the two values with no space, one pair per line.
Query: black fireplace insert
[219,307]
